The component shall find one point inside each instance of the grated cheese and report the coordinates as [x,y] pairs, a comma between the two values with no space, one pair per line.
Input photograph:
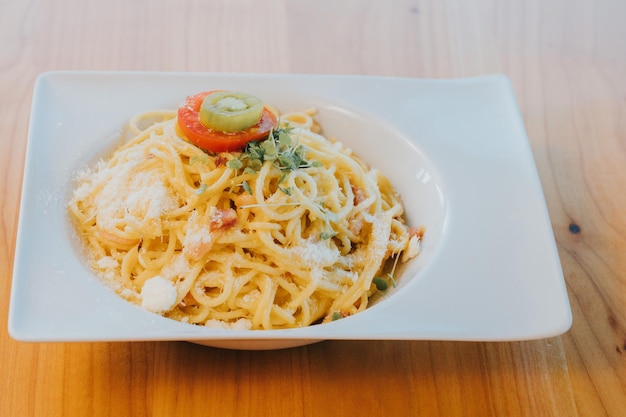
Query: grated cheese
[158,295]
[241,324]
[316,254]
[107,262]
[142,196]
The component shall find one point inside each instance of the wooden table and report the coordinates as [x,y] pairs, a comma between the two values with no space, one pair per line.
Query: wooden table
[567,62]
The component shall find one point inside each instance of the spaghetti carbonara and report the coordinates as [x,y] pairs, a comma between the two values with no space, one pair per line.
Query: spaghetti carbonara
[293,230]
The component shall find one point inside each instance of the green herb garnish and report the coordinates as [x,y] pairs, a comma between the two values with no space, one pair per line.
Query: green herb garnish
[336,316]
[246,187]
[381,283]
[234,164]
[279,148]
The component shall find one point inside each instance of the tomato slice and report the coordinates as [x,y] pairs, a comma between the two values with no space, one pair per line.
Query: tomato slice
[215,141]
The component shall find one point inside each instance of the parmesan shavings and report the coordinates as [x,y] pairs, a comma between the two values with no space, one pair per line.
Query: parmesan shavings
[158,295]
[316,253]
[241,324]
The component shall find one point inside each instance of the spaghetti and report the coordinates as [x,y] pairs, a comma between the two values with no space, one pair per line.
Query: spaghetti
[233,241]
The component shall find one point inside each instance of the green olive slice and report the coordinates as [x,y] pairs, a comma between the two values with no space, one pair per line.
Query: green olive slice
[230,111]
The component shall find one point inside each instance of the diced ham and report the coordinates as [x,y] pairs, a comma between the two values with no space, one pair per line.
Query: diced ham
[223,219]
[356,225]
[359,195]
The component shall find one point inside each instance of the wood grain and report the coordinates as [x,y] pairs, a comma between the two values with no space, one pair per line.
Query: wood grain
[567,62]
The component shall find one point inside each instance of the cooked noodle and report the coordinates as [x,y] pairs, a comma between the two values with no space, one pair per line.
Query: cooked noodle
[183,234]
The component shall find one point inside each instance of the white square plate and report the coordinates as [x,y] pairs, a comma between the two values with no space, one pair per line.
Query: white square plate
[456,150]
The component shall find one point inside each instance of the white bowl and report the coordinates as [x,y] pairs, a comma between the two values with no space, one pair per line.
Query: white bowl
[456,150]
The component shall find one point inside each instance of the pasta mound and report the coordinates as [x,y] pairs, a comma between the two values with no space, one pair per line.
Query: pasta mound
[204,239]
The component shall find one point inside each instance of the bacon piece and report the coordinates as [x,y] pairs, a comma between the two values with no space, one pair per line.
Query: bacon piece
[199,238]
[359,195]
[244,200]
[355,224]
[223,219]
[414,245]
[198,244]
[220,160]
[417,231]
